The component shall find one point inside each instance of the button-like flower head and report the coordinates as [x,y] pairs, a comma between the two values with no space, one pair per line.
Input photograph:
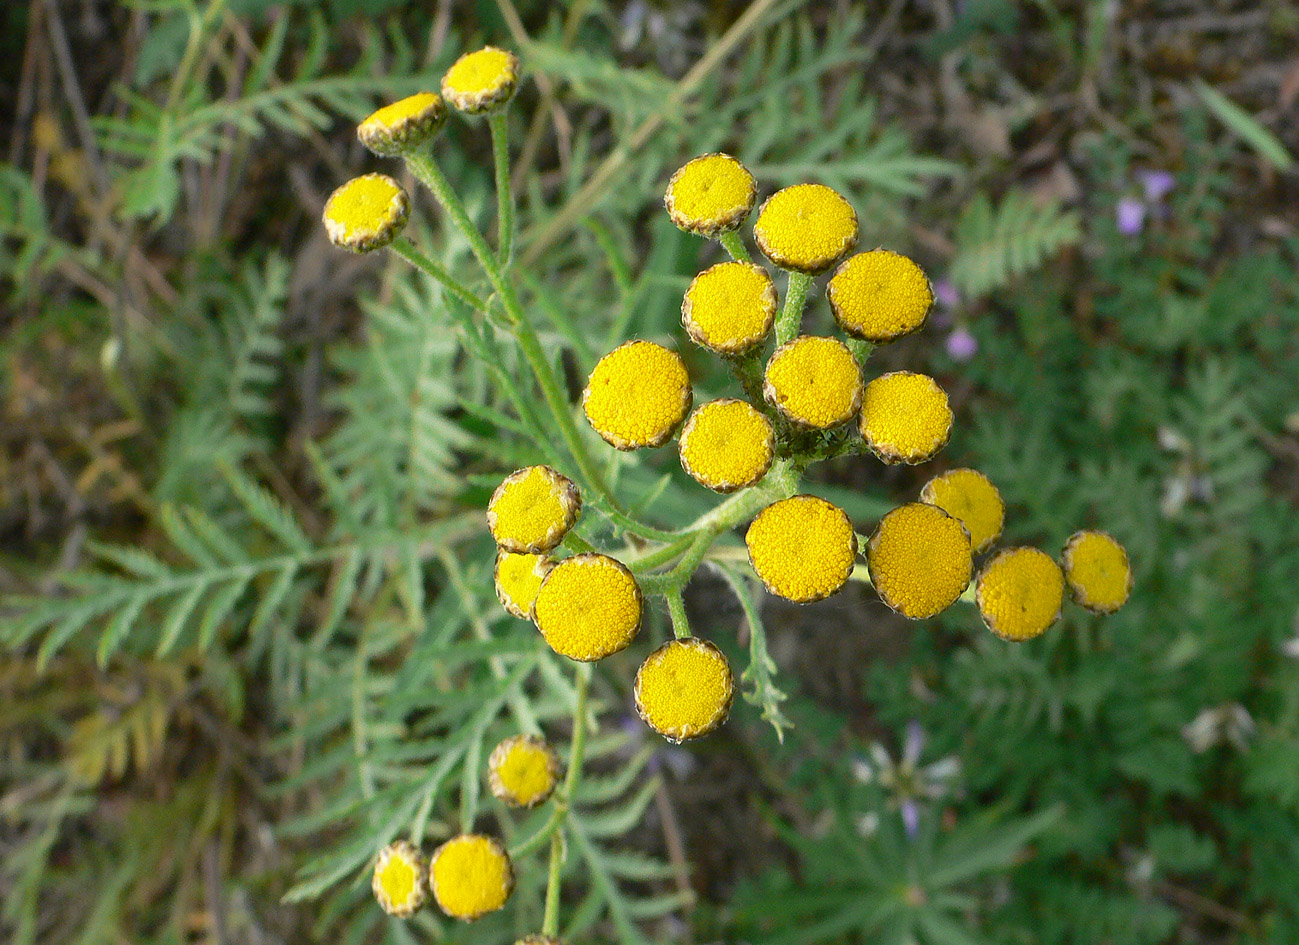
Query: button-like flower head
[471,875]
[805,228]
[403,125]
[905,417]
[920,560]
[684,689]
[727,445]
[366,213]
[1019,593]
[532,510]
[482,81]
[730,308]
[400,883]
[879,296]
[518,578]
[803,548]
[637,395]
[815,382]
[523,771]
[969,496]
[1097,569]
[589,607]
[709,195]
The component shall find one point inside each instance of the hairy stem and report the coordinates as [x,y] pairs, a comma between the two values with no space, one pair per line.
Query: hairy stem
[791,317]
[407,251]
[550,917]
[504,195]
[677,610]
[732,243]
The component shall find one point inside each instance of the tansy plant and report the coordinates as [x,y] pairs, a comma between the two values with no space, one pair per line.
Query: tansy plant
[799,399]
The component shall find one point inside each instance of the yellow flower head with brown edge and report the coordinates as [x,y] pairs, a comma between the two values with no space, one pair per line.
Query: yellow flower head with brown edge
[1019,593]
[589,607]
[803,548]
[805,228]
[709,195]
[366,213]
[400,883]
[730,308]
[403,125]
[532,510]
[518,578]
[1098,571]
[920,560]
[523,771]
[879,296]
[905,417]
[637,395]
[727,445]
[482,81]
[815,382]
[684,689]
[471,875]
[970,496]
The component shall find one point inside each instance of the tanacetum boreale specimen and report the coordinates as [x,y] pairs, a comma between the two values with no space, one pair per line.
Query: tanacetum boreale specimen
[471,875]
[970,496]
[684,689]
[729,308]
[905,417]
[1019,593]
[803,548]
[401,126]
[400,882]
[637,395]
[709,195]
[518,578]
[588,607]
[879,296]
[805,228]
[814,382]
[523,770]
[1097,569]
[482,81]
[727,445]
[532,510]
[366,213]
[920,560]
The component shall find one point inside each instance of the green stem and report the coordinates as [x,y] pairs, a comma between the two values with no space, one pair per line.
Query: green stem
[732,243]
[662,555]
[548,830]
[550,916]
[677,610]
[861,350]
[407,251]
[504,196]
[791,317]
[578,545]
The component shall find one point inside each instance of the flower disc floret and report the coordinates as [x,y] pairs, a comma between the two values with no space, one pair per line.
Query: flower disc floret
[709,195]
[1098,571]
[730,308]
[803,548]
[970,496]
[523,770]
[727,445]
[589,607]
[482,81]
[905,417]
[518,578]
[532,510]
[403,125]
[879,296]
[815,382]
[684,689]
[637,395]
[1019,593]
[805,228]
[400,882]
[366,213]
[920,560]
[471,875]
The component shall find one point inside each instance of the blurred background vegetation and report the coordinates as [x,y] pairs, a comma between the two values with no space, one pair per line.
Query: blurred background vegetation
[248,596]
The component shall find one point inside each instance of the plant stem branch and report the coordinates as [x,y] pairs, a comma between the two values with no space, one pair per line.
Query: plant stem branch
[732,243]
[407,251]
[791,317]
[677,610]
[499,123]
[573,777]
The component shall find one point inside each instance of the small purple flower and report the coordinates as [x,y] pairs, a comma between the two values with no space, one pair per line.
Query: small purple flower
[945,294]
[961,345]
[910,811]
[1156,184]
[1130,215]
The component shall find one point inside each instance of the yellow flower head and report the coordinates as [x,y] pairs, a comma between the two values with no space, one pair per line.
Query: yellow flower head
[710,195]
[401,126]
[970,496]
[637,395]
[726,445]
[523,771]
[471,875]
[399,882]
[532,510]
[920,560]
[815,382]
[905,417]
[879,296]
[518,578]
[589,607]
[482,81]
[803,548]
[366,213]
[729,308]
[684,689]
[1019,593]
[805,228]
[1098,571]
